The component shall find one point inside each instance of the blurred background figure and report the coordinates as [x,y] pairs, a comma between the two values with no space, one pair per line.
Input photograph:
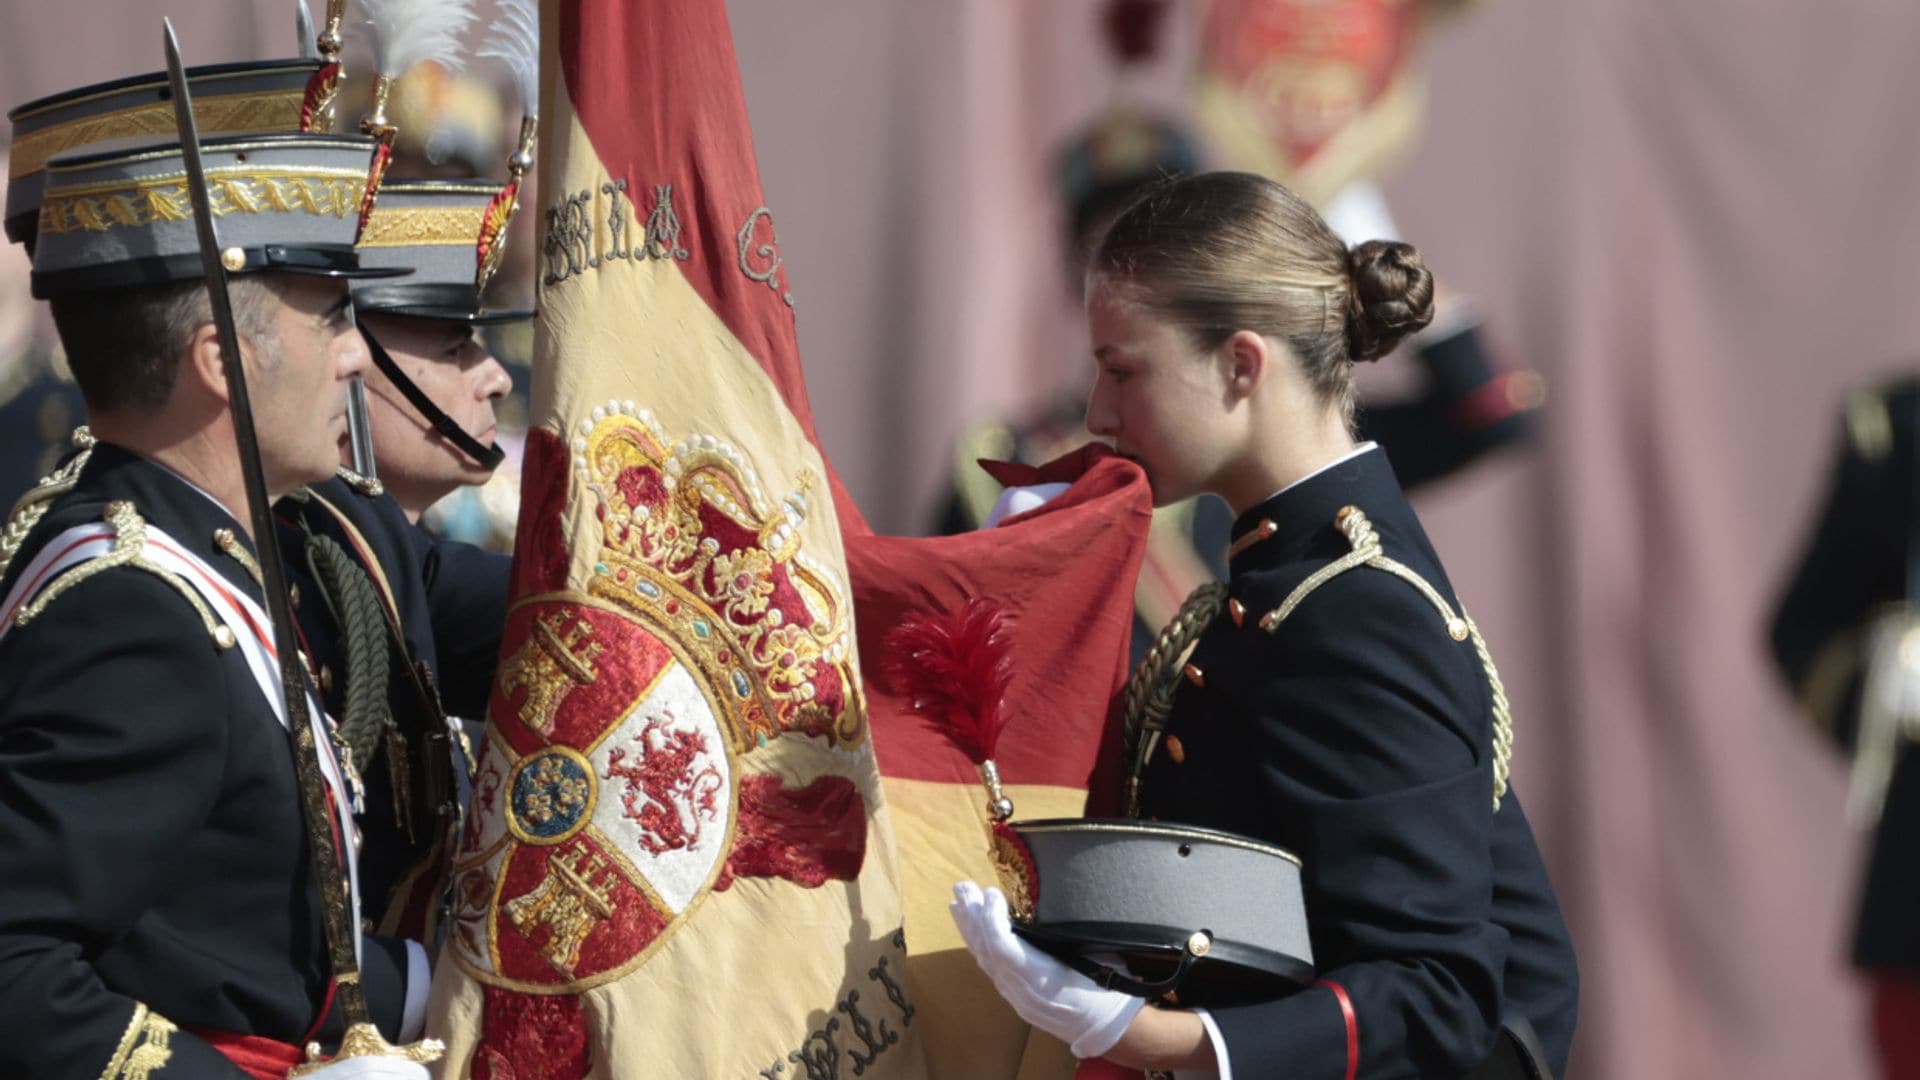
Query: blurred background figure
[1847,638]
[39,405]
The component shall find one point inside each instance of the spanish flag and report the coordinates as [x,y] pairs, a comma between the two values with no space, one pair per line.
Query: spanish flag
[678,860]
[1058,583]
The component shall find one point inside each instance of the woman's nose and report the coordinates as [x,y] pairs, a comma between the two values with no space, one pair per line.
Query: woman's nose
[1101,419]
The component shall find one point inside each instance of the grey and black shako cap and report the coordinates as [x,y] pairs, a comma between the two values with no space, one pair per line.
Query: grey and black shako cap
[443,229]
[254,97]
[289,203]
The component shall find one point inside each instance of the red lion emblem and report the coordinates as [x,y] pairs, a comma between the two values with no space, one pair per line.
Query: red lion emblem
[672,791]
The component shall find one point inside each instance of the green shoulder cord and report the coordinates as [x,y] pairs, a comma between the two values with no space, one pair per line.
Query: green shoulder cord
[365,721]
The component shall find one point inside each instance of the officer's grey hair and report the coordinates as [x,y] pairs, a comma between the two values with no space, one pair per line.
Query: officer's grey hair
[125,348]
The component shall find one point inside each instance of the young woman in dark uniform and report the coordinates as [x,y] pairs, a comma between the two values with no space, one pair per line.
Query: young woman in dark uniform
[1338,700]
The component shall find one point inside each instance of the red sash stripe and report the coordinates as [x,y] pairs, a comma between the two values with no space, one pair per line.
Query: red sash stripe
[1352,1022]
[257,1056]
[259,632]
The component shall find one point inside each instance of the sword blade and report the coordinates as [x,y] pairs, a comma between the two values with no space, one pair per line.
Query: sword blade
[359,429]
[303,32]
[329,874]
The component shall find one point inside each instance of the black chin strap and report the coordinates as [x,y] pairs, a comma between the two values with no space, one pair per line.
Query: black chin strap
[487,457]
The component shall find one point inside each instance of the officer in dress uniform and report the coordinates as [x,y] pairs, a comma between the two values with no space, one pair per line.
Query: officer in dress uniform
[411,623]
[439,606]
[163,916]
[372,583]
[1337,701]
[1846,636]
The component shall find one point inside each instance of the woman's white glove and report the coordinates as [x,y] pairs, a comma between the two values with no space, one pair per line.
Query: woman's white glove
[1019,500]
[371,1068]
[1045,992]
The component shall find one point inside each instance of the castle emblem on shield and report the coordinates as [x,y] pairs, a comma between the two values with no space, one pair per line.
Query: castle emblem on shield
[610,784]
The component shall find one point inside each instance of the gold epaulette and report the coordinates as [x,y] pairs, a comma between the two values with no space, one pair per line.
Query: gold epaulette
[365,485]
[129,549]
[144,1048]
[1353,524]
[33,505]
[1366,551]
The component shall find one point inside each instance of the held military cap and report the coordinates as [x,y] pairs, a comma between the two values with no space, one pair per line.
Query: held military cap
[291,203]
[449,232]
[1156,909]
[228,99]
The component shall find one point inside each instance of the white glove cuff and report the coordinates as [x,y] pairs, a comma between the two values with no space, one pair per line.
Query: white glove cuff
[1105,1035]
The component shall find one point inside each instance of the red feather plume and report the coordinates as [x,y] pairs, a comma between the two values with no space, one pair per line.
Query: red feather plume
[953,667]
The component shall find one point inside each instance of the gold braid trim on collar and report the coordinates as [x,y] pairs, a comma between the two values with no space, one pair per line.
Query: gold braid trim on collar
[365,485]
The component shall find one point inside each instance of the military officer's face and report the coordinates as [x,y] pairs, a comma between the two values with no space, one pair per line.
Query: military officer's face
[1157,397]
[447,362]
[300,394]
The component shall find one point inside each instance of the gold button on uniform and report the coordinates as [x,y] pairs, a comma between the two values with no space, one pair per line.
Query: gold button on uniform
[1176,750]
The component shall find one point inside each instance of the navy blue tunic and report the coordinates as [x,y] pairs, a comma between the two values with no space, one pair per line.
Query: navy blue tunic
[1358,735]
[151,843]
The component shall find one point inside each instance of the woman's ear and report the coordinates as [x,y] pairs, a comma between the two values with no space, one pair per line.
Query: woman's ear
[203,362]
[1247,355]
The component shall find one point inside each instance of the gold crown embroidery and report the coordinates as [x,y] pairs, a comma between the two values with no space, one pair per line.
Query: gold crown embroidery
[763,620]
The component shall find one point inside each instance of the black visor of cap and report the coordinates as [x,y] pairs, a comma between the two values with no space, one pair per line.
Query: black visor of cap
[319,260]
[445,302]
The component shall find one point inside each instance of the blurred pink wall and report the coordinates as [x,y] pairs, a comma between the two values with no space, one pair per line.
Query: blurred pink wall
[1694,218]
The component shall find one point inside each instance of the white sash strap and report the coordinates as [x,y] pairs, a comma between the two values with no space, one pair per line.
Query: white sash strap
[242,615]
[82,543]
